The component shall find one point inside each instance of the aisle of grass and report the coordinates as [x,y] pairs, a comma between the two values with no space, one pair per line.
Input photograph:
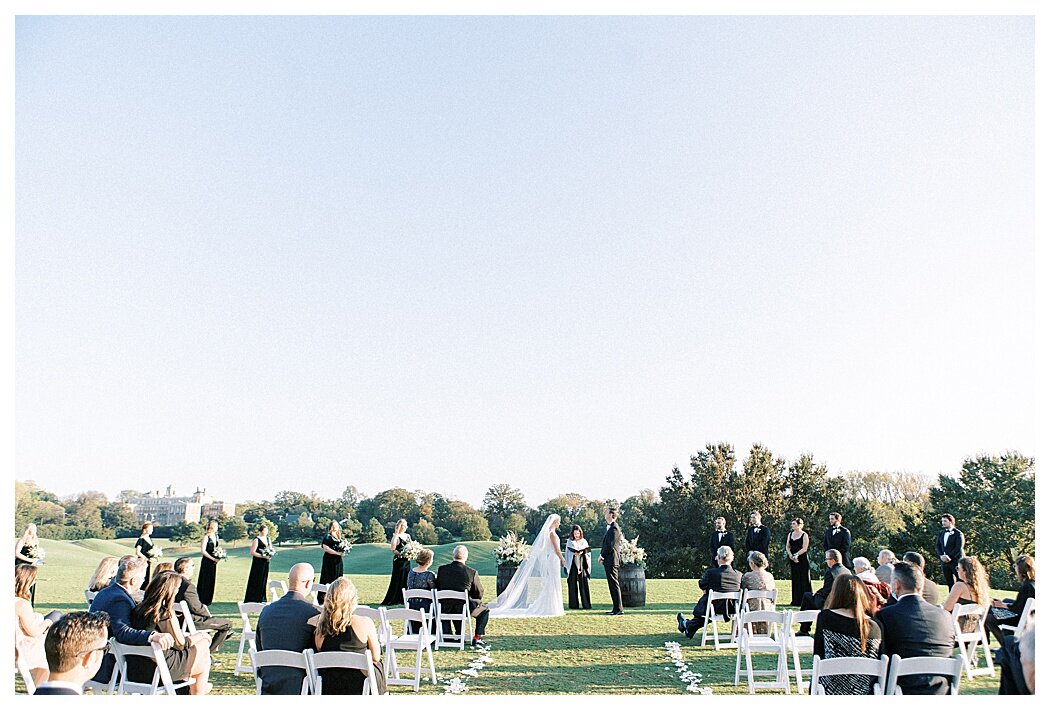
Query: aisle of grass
[581,652]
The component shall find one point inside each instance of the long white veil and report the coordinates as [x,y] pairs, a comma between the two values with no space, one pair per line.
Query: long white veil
[535,589]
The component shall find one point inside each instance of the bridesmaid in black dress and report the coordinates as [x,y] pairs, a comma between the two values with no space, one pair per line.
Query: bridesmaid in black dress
[261,551]
[797,549]
[332,562]
[399,571]
[209,562]
[27,550]
[144,548]
[339,630]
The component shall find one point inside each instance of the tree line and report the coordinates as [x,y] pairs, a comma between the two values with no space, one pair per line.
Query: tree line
[992,497]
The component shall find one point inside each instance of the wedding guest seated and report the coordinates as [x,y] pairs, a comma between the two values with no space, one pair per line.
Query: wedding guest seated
[337,629]
[188,657]
[202,617]
[75,646]
[457,577]
[420,577]
[971,588]
[878,591]
[116,601]
[165,567]
[885,569]
[1028,657]
[1011,670]
[1007,611]
[284,626]
[759,579]
[31,627]
[104,573]
[845,629]
[815,600]
[913,627]
[722,578]
[930,591]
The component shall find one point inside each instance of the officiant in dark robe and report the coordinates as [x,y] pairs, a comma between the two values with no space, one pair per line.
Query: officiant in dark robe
[578,563]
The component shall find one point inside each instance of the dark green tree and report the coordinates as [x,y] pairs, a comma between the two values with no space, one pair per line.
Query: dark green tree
[374,531]
[424,532]
[233,529]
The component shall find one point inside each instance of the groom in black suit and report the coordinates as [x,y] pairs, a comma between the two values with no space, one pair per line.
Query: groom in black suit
[757,539]
[950,549]
[720,537]
[610,557]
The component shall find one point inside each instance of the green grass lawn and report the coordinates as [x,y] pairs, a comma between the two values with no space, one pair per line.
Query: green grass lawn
[581,652]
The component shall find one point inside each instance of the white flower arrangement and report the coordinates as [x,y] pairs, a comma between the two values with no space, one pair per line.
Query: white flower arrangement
[630,553]
[511,550]
[410,551]
[692,679]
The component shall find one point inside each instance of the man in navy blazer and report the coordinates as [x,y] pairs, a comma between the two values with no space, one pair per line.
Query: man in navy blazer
[950,550]
[75,645]
[722,578]
[282,627]
[116,601]
[915,628]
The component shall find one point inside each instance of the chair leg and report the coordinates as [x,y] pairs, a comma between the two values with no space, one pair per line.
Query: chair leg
[798,670]
[433,672]
[736,674]
[750,673]
[419,667]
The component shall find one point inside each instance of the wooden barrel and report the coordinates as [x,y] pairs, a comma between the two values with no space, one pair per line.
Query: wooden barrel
[503,577]
[632,585]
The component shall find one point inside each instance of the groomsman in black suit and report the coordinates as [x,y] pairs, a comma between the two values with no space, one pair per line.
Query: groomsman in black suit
[837,537]
[610,557]
[950,548]
[815,600]
[719,538]
[915,628]
[757,539]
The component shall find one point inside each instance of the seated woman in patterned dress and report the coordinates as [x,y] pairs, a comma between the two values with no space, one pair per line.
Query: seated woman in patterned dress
[846,629]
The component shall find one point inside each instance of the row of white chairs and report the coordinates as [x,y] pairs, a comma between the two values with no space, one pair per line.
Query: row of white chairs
[311,663]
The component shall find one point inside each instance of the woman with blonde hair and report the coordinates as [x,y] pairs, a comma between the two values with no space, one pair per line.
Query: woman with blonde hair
[401,565]
[189,656]
[971,588]
[31,627]
[332,563]
[209,563]
[104,574]
[339,630]
[28,552]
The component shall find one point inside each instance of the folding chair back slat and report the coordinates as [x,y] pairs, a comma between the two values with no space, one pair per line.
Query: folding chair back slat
[247,643]
[824,668]
[450,639]
[351,660]
[711,618]
[282,659]
[951,668]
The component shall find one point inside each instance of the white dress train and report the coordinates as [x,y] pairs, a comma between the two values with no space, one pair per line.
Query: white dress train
[535,589]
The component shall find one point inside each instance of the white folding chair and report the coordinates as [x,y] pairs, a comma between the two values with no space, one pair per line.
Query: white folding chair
[711,618]
[418,642]
[442,617]
[924,665]
[21,665]
[800,644]
[1026,617]
[162,682]
[187,625]
[428,595]
[278,588]
[379,619]
[774,641]
[318,660]
[90,596]
[247,634]
[316,589]
[281,659]
[103,688]
[970,642]
[849,665]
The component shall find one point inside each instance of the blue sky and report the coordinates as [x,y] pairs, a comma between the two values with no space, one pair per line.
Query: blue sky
[563,253]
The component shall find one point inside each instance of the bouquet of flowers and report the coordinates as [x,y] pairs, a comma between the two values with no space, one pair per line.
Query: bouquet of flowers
[341,546]
[511,550]
[36,552]
[155,553]
[410,550]
[266,552]
[630,553]
[219,554]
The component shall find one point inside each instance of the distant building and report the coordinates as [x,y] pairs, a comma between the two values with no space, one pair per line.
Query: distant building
[170,509]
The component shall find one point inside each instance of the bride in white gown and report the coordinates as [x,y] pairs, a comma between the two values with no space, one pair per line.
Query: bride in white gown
[535,589]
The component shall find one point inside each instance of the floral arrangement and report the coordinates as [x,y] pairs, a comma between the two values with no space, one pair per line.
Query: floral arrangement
[410,551]
[219,554]
[36,553]
[511,550]
[155,553]
[266,551]
[692,679]
[341,546]
[630,553]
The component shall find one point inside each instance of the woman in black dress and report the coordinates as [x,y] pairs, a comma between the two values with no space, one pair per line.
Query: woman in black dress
[27,552]
[332,562]
[1008,611]
[845,629]
[339,630]
[261,551]
[189,657]
[206,576]
[144,548]
[797,547]
[399,571]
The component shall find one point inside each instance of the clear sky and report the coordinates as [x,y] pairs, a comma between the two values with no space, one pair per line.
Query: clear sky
[564,253]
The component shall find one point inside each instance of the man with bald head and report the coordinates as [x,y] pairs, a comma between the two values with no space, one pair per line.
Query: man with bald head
[457,577]
[282,627]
